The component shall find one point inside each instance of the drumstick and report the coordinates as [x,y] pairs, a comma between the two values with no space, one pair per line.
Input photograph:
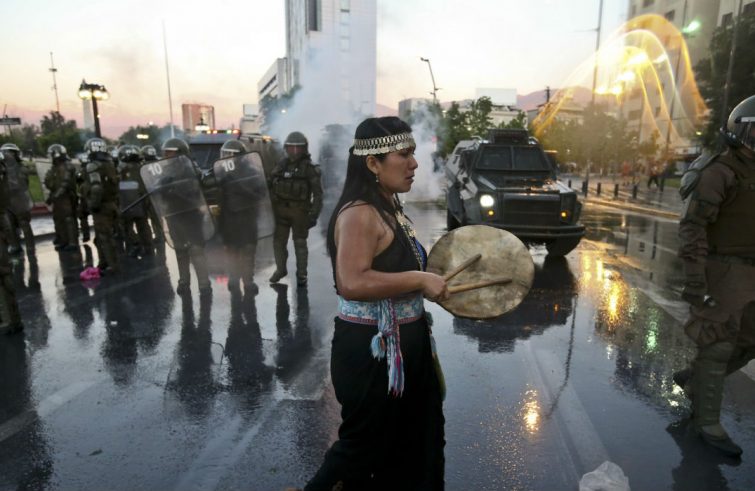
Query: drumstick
[461,267]
[479,284]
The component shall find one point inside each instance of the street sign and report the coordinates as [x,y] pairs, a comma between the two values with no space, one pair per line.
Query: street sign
[10,121]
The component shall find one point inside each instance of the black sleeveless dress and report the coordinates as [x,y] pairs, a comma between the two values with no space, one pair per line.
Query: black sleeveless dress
[385,442]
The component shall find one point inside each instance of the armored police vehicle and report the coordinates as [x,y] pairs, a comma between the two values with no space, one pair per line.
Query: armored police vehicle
[507,181]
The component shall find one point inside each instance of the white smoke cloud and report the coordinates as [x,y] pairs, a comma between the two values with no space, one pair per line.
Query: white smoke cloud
[428,182]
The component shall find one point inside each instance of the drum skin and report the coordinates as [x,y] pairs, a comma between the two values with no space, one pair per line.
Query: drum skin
[503,256]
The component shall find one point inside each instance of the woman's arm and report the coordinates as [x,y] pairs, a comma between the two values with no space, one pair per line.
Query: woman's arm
[360,234]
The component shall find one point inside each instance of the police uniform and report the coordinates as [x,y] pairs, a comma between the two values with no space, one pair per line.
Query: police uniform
[60,180]
[137,233]
[19,203]
[10,317]
[296,194]
[100,190]
[718,253]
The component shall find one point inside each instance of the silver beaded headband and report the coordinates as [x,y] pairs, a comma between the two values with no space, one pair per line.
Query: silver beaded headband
[383,144]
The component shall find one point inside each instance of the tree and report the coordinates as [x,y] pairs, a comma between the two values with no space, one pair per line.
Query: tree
[518,122]
[711,73]
[56,129]
[152,133]
[478,117]
[454,129]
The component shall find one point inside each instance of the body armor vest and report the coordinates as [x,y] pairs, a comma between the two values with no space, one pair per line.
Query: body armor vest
[291,182]
[732,232]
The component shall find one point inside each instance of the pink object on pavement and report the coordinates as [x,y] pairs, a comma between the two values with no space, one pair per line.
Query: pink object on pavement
[90,273]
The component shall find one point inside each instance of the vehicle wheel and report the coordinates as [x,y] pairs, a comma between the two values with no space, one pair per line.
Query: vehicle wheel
[451,221]
[562,247]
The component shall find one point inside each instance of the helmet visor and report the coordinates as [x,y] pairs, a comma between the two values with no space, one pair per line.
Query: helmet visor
[747,132]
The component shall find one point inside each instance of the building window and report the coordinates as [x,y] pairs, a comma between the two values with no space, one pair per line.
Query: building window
[313,15]
[647,3]
[345,18]
[670,15]
[748,9]
[345,5]
[727,19]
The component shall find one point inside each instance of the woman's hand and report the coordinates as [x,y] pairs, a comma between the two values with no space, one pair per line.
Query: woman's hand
[434,287]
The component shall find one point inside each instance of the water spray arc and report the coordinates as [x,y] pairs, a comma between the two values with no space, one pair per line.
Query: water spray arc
[645,59]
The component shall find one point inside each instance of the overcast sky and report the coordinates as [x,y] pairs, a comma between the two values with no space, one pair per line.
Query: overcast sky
[218,50]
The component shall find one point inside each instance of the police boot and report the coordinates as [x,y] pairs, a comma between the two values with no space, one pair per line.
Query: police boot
[72,235]
[199,260]
[708,390]
[277,275]
[300,247]
[9,307]
[183,261]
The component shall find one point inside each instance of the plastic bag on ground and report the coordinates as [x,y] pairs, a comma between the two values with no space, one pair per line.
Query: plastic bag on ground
[607,477]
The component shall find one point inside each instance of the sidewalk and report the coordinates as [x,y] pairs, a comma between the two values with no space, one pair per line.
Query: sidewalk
[664,203]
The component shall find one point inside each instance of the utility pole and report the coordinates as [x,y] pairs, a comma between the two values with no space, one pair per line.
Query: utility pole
[52,69]
[167,74]
[547,94]
[597,49]
[435,89]
[727,86]
[676,83]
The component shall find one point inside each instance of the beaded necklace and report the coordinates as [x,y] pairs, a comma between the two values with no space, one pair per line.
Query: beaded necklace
[408,230]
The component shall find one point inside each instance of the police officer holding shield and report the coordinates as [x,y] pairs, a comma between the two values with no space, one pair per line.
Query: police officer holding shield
[296,193]
[245,211]
[718,253]
[99,189]
[175,192]
[60,180]
[19,201]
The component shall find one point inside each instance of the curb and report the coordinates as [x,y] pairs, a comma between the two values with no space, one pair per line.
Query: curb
[631,207]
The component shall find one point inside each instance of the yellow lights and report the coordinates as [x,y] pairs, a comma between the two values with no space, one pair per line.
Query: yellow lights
[491,213]
[661,58]
[93,91]
[638,59]
[531,412]
[142,136]
[602,90]
[564,214]
[616,90]
[628,76]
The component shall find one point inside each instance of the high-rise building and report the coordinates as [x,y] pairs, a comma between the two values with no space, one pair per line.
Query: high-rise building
[274,83]
[197,115]
[730,8]
[330,45]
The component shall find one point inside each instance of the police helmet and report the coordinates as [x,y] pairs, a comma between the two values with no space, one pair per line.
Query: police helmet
[11,147]
[57,152]
[176,145]
[95,145]
[740,128]
[149,153]
[297,139]
[129,153]
[231,148]
[112,150]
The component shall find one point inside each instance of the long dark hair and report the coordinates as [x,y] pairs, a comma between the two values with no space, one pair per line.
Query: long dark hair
[360,182]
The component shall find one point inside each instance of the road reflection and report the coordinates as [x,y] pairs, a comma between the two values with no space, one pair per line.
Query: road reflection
[549,303]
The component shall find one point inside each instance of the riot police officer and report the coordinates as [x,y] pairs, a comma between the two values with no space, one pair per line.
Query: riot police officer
[241,179]
[60,180]
[10,317]
[149,154]
[718,253]
[186,229]
[100,190]
[296,193]
[19,201]
[133,203]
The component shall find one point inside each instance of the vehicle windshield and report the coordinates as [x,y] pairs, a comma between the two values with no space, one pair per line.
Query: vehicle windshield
[205,154]
[506,158]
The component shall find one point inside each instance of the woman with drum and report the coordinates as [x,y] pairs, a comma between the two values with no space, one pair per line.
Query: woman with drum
[382,362]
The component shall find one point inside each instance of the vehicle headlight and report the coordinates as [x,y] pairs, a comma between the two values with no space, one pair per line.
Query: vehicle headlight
[486,201]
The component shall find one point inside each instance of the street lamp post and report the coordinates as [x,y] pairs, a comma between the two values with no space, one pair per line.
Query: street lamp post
[432,77]
[94,92]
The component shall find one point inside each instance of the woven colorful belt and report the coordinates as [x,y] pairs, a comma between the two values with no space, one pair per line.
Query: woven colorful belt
[387,315]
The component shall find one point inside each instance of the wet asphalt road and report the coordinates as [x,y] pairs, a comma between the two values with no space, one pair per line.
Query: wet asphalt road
[122,385]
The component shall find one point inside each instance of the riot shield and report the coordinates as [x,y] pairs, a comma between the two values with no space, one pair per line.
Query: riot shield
[243,188]
[177,198]
[130,196]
